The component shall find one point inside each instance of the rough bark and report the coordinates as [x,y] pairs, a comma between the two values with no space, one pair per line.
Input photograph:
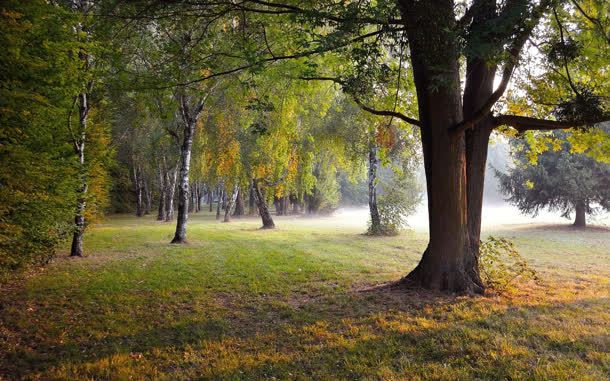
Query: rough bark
[443,264]
[230,203]
[478,89]
[375,227]
[263,210]
[580,209]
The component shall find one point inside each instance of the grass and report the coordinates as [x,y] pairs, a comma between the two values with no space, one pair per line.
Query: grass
[300,303]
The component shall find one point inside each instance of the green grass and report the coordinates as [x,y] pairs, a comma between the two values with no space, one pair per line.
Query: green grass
[300,303]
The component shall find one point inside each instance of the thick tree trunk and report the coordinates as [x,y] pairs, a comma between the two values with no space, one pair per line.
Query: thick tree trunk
[161,180]
[580,221]
[437,81]
[230,203]
[239,204]
[375,227]
[478,88]
[263,210]
[183,185]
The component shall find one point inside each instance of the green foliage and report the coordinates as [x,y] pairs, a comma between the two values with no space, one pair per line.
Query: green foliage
[399,199]
[500,264]
[558,179]
[37,179]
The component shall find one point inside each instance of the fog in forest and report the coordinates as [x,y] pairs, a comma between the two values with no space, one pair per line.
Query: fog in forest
[496,211]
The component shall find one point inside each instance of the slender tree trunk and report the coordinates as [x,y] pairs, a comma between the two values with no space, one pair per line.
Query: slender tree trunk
[183,185]
[239,204]
[148,197]
[263,210]
[443,264]
[220,198]
[199,196]
[580,220]
[172,178]
[161,180]
[76,249]
[230,203]
[375,227]
[211,198]
[138,190]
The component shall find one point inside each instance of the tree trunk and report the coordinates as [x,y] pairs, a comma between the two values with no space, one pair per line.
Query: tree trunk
[211,198]
[161,180]
[375,227]
[199,196]
[76,249]
[263,210]
[252,209]
[172,178]
[183,186]
[296,204]
[220,197]
[580,210]
[148,197]
[138,190]
[437,81]
[230,203]
[239,204]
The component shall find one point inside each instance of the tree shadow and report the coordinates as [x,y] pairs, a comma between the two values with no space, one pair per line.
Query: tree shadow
[350,333]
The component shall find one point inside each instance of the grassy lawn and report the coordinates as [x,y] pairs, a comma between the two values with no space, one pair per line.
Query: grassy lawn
[300,303]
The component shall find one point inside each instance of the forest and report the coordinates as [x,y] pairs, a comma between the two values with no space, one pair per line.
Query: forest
[280,189]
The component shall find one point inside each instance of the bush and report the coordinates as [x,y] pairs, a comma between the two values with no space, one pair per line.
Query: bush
[500,264]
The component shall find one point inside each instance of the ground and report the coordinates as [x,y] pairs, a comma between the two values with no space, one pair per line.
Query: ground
[300,302]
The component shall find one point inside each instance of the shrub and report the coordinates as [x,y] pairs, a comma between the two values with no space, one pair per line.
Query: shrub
[500,264]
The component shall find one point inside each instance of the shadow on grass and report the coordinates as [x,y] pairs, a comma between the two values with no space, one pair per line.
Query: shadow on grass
[349,334]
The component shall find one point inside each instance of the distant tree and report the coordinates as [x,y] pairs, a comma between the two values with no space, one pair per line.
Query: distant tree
[557,179]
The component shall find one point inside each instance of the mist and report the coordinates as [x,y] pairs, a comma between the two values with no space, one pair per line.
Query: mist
[497,212]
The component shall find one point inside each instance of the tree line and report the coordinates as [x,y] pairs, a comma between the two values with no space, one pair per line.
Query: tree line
[268,100]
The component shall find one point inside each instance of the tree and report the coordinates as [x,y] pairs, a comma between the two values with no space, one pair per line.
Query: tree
[42,71]
[558,179]
[455,124]
[369,46]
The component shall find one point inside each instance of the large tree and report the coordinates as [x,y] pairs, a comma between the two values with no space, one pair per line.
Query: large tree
[428,42]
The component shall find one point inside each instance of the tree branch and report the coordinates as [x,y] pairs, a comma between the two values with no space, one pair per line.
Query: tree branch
[512,60]
[526,123]
[373,111]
